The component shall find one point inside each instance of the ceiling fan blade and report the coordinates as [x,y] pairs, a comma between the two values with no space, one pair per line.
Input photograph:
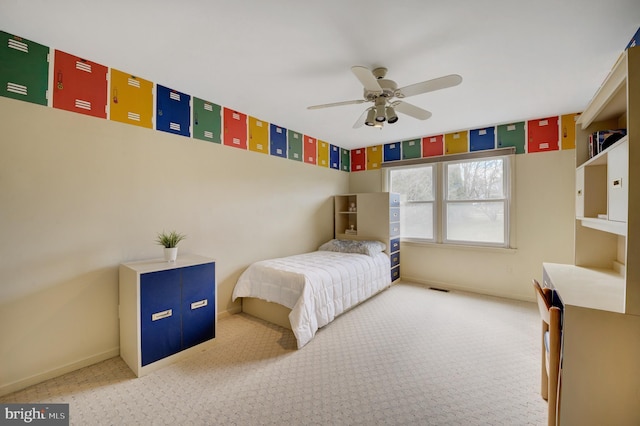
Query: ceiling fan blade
[411,110]
[361,120]
[429,85]
[366,77]
[357,101]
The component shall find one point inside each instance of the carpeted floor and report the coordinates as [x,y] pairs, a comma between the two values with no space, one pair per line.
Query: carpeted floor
[409,356]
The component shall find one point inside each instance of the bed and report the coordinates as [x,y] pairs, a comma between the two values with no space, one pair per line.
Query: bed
[307,291]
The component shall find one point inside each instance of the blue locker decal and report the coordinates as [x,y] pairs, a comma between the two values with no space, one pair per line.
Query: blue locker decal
[334,157]
[173,113]
[278,141]
[391,152]
[481,139]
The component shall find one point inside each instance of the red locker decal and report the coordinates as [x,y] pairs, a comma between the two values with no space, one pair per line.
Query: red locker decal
[235,129]
[310,150]
[358,159]
[79,85]
[544,135]
[432,146]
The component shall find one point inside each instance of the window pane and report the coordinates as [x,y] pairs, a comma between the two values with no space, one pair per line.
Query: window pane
[413,184]
[416,190]
[475,180]
[476,222]
[416,220]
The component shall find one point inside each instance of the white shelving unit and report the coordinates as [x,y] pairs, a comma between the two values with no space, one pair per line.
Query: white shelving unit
[374,215]
[600,293]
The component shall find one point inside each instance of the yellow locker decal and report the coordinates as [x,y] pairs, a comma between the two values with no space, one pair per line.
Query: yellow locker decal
[131,99]
[456,143]
[258,135]
[374,157]
[568,131]
[323,153]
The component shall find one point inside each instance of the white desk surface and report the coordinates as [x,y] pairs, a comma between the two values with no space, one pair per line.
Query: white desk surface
[594,288]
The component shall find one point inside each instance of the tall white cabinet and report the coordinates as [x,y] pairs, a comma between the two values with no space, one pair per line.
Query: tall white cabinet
[371,216]
[601,292]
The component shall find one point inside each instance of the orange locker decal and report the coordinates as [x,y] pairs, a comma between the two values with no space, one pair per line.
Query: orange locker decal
[131,99]
[310,149]
[79,85]
[258,135]
[235,129]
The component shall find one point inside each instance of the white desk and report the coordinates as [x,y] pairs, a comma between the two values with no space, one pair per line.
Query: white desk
[600,347]
[592,288]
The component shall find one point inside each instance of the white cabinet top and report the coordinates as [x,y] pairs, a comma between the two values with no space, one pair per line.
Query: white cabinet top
[594,288]
[160,264]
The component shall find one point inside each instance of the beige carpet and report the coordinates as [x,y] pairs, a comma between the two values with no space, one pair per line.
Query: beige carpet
[409,356]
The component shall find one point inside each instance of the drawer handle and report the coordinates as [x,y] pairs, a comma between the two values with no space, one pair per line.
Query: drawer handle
[160,315]
[616,183]
[199,304]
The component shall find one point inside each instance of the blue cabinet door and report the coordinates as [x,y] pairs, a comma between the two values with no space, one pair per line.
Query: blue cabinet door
[160,320]
[198,304]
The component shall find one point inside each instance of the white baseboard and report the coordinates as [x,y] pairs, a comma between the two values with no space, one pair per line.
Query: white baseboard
[56,372]
[450,286]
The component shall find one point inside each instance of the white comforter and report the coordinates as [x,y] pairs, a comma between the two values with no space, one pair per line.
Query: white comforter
[316,286]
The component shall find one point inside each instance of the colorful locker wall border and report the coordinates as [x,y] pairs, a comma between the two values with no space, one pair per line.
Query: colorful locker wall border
[129,99]
[547,134]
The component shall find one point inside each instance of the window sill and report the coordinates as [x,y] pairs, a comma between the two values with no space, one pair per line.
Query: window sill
[466,247]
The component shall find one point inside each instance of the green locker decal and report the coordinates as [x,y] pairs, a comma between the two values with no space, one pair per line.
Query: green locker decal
[294,148]
[411,149]
[512,135]
[345,160]
[207,121]
[24,69]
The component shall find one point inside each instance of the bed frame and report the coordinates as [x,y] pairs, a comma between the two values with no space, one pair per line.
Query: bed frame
[269,311]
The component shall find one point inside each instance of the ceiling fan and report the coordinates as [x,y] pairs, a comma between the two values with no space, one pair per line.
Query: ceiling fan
[382,92]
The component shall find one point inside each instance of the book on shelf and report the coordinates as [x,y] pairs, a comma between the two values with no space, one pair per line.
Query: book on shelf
[603,139]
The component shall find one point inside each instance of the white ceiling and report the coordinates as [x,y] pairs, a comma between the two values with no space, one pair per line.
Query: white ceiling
[271,59]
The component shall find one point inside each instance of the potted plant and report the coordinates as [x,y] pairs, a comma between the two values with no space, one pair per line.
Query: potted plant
[170,240]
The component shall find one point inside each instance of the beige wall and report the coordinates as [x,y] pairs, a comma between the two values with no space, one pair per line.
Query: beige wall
[544,215]
[79,195]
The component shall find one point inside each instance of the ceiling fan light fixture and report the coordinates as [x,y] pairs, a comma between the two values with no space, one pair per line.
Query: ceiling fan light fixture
[380,114]
[391,115]
[371,117]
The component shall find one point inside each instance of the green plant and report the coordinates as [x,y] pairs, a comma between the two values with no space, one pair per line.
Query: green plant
[169,240]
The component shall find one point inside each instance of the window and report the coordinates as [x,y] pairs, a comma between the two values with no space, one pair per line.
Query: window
[454,202]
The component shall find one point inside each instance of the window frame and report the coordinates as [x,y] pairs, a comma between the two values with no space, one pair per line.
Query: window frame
[439,165]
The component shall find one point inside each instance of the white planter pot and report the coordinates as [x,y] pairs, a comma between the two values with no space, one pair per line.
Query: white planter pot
[170,254]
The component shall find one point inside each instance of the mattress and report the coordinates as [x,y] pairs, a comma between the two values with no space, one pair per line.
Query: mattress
[316,286]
